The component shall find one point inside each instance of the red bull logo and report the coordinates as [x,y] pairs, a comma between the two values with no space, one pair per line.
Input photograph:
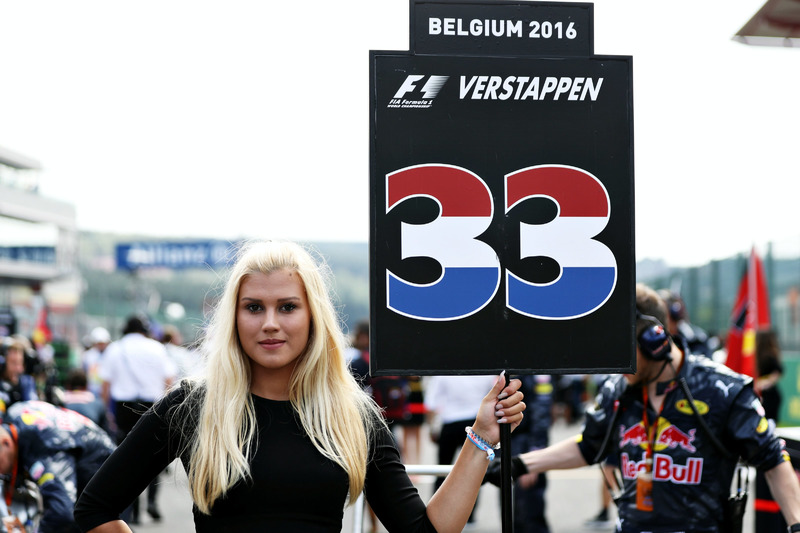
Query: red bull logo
[668,436]
[32,417]
[664,469]
[672,437]
[633,436]
[44,415]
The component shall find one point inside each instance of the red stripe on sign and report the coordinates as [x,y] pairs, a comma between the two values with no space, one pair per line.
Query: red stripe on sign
[578,193]
[767,506]
[460,193]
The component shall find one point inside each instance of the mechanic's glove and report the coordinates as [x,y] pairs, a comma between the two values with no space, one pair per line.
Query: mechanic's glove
[518,468]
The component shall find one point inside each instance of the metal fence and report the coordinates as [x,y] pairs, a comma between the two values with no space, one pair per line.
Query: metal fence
[429,470]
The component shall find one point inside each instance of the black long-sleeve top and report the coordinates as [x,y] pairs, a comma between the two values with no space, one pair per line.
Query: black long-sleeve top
[293,487]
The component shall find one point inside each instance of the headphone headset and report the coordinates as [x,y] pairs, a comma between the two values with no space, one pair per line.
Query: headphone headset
[653,340]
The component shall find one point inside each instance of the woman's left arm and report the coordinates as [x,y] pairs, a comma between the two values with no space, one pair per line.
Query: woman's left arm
[451,505]
[143,453]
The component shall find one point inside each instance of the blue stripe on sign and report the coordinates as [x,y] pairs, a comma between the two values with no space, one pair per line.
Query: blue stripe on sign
[579,291]
[459,293]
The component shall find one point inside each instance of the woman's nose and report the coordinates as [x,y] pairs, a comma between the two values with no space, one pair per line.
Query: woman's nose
[270,321]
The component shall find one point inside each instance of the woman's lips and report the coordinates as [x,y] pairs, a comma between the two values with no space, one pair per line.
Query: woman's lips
[271,344]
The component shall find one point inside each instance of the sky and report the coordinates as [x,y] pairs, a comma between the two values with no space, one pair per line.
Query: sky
[249,118]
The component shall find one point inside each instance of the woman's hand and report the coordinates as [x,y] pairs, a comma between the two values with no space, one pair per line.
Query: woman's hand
[503,405]
[451,505]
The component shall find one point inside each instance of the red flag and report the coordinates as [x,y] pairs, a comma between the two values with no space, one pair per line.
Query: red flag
[750,313]
[42,333]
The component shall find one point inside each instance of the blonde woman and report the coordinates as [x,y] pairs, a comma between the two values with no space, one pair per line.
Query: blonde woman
[278,436]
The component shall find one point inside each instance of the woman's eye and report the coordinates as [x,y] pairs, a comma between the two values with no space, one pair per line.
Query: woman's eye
[288,308]
[253,308]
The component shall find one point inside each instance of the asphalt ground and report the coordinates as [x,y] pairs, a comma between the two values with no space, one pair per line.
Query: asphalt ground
[573,496]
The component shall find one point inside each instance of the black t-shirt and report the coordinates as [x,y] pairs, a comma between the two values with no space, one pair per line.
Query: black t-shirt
[293,487]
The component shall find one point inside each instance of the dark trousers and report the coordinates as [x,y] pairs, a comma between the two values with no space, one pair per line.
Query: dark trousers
[127,414]
[529,504]
[529,507]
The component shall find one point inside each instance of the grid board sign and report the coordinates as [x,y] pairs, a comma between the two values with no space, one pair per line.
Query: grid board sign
[501,195]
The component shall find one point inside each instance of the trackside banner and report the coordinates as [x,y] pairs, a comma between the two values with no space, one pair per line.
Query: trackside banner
[501,205]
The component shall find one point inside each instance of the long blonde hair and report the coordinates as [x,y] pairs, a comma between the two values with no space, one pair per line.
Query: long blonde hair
[338,416]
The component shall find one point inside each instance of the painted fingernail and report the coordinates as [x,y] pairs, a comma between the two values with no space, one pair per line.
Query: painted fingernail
[502,421]
[502,395]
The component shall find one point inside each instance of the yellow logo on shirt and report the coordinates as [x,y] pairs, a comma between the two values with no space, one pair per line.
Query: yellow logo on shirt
[684,407]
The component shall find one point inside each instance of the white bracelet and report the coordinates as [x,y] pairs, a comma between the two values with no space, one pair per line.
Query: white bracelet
[481,443]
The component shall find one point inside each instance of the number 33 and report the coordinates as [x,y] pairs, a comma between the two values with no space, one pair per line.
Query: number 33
[471,269]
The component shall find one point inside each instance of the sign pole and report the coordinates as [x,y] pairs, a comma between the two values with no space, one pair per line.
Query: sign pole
[506,489]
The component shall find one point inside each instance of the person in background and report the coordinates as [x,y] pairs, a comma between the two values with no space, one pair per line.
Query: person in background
[92,358]
[454,402]
[412,422]
[603,520]
[533,434]
[358,353]
[280,436]
[136,371]
[33,362]
[678,426]
[15,384]
[609,466]
[679,326]
[187,362]
[357,357]
[569,390]
[769,369]
[57,449]
[389,392]
[77,397]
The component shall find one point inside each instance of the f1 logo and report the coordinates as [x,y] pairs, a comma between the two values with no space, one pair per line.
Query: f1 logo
[429,90]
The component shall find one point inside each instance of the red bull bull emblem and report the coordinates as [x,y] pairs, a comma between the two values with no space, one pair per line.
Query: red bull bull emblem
[633,436]
[32,417]
[668,436]
[672,437]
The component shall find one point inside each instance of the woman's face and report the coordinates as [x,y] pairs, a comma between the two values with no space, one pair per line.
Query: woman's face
[273,321]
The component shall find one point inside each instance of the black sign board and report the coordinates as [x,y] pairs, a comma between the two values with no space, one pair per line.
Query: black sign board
[501,214]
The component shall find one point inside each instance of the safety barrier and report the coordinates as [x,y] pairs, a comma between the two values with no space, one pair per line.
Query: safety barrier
[412,470]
